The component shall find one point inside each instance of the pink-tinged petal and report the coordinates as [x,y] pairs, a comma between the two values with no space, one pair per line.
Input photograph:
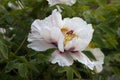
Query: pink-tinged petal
[83,31]
[63,59]
[79,56]
[40,45]
[54,35]
[73,43]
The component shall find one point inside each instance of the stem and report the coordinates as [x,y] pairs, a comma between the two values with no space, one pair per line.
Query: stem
[20,45]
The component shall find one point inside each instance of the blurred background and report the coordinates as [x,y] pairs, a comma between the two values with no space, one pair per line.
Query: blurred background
[17,62]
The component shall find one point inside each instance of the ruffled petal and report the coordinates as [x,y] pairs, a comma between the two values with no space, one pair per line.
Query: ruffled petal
[34,36]
[37,25]
[40,45]
[36,28]
[54,20]
[63,59]
[79,56]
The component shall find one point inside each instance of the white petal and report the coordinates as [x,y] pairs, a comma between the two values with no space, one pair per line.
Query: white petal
[83,59]
[85,34]
[35,31]
[75,23]
[54,35]
[34,36]
[76,41]
[67,2]
[63,59]
[98,66]
[37,25]
[60,44]
[83,30]
[40,45]
[98,54]
[54,20]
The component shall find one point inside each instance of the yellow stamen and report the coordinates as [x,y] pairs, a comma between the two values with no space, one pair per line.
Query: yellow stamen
[91,45]
[68,34]
[64,30]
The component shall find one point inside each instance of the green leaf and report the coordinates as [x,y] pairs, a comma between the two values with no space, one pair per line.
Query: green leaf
[10,66]
[3,50]
[101,2]
[89,54]
[22,69]
[69,73]
[116,70]
[32,65]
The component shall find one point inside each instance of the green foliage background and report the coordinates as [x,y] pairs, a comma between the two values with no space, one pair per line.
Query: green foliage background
[17,62]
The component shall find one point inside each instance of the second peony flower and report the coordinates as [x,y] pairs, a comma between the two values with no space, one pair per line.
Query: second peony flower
[67,2]
[70,36]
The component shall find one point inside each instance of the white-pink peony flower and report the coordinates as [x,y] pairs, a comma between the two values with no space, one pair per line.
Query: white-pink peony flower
[67,2]
[69,36]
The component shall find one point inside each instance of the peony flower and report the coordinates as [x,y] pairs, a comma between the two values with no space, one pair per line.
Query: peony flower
[98,54]
[69,36]
[67,2]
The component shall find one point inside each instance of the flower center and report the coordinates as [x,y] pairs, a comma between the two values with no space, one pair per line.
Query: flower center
[68,34]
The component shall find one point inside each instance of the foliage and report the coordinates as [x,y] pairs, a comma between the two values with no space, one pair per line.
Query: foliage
[17,62]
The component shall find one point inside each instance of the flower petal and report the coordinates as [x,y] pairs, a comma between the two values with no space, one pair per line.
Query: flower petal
[98,66]
[40,45]
[83,59]
[34,36]
[54,20]
[67,2]
[63,59]
[54,35]
[98,54]
[83,31]
[35,31]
